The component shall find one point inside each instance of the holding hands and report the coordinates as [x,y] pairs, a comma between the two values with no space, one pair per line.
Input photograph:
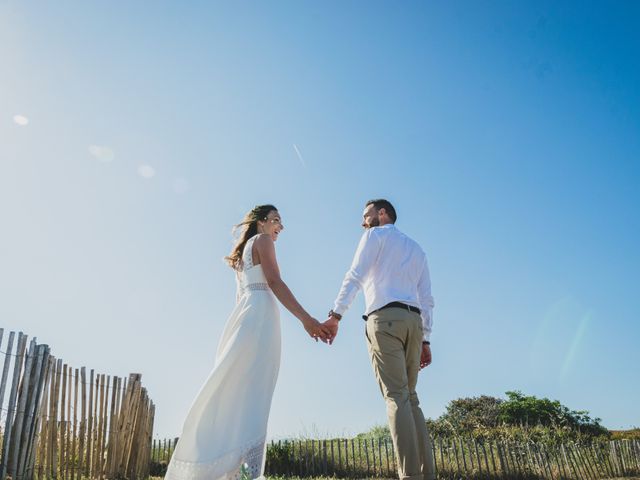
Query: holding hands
[316,330]
[325,331]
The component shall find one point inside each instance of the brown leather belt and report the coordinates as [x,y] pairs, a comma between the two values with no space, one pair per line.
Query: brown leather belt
[394,305]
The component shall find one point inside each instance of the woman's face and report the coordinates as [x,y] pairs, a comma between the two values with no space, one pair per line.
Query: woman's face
[272,225]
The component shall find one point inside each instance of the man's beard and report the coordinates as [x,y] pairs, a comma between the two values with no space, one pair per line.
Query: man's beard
[374,222]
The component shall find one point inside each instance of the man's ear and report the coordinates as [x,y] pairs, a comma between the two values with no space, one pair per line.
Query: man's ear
[382,211]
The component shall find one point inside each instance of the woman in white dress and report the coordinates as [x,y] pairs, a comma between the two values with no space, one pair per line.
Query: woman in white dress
[224,432]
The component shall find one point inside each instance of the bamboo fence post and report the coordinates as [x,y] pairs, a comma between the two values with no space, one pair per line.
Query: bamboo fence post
[74,453]
[545,460]
[69,431]
[353,453]
[512,448]
[438,441]
[366,454]
[324,448]
[96,427]
[504,466]
[298,458]
[312,458]
[627,452]
[135,433]
[21,407]
[614,460]
[134,422]
[63,424]
[43,420]
[386,456]
[346,455]
[447,450]
[580,466]
[455,451]
[584,458]
[476,451]
[493,460]
[544,467]
[56,422]
[572,459]
[83,422]
[462,454]
[39,423]
[124,425]
[374,463]
[486,460]
[89,444]
[13,393]
[51,426]
[468,449]
[593,461]
[600,463]
[104,390]
[620,456]
[106,426]
[558,457]
[31,411]
[636,457]
[5,368]
[566,459]
[115,385]
[623,455]
[609,459]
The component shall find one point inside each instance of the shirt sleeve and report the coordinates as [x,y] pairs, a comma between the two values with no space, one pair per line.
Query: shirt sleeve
[363,261]
[426,301]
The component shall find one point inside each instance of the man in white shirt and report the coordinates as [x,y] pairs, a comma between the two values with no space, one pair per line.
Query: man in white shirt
[392,270]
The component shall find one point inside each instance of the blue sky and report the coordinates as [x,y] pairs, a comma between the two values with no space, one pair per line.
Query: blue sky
[133,137]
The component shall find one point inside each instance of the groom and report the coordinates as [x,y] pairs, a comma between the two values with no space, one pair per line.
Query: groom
[392,269]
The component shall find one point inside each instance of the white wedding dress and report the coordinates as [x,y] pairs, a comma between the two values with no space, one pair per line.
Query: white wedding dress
[227,423]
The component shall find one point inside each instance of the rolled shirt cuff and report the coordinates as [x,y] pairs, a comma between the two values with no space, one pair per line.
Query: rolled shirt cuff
[339,309]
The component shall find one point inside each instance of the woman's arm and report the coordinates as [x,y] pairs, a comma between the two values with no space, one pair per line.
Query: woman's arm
[266,256]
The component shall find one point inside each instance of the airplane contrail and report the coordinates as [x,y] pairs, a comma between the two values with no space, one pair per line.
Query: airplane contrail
[304,164]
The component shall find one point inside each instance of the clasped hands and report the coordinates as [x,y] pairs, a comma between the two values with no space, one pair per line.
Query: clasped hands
[325,331]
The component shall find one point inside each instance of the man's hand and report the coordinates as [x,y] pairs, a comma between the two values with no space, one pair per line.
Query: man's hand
[425,356]
[332,326]
[317,330]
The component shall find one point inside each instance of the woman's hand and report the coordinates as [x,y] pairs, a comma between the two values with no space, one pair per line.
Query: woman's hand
[316,330]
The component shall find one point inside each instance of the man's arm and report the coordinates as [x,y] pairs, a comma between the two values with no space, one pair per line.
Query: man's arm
[426,301]
[364,259]
[366,255]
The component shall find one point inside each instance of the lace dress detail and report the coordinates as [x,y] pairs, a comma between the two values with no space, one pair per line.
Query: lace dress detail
[249,458]
[246,282]
[225,429]
[247,254]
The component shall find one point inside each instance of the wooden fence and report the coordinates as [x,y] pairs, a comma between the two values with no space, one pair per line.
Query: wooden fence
[455,458]
[66,423]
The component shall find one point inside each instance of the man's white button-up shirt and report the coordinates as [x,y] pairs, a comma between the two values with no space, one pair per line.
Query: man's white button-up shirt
[390,267]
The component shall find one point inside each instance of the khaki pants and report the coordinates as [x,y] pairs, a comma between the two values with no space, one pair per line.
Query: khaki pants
[394,338]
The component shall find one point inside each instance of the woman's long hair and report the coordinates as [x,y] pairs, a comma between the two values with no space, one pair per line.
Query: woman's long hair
[246,229]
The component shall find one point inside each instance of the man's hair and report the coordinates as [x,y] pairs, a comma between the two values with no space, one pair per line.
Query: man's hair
[379,203]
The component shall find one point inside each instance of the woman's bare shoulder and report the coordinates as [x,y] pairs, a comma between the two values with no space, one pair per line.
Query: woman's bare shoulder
[263,239]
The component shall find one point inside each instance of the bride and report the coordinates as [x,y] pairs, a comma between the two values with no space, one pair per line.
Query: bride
[225,429]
